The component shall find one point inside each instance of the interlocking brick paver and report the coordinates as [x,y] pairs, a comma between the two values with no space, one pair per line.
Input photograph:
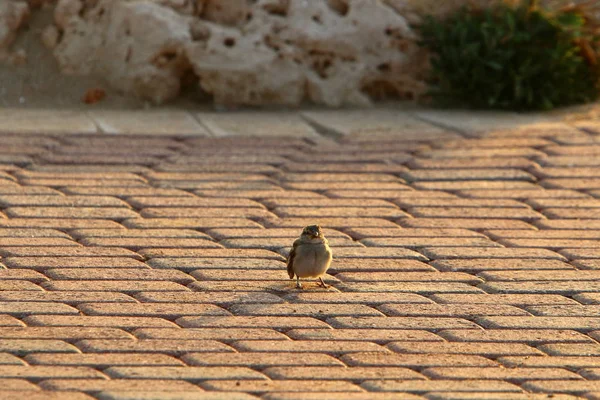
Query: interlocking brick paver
[221,334]
[165,346]
[373,335]
[41,263]
[174,395]
[517,374]
[262,386]
[308,346]
[441,385]
[491,350]
[475,265]
[350,374]
[520,335]
[415,360]
[127,385]
[153,267]
[99,321]
[101,360]
[189,373]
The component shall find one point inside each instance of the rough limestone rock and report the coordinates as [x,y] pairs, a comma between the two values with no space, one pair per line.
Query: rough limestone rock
[12,16]
[254,52]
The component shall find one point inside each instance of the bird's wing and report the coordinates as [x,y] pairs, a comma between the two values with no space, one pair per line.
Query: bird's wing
[291,256]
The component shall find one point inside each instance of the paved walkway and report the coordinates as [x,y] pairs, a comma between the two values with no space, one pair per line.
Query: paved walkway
[467,256]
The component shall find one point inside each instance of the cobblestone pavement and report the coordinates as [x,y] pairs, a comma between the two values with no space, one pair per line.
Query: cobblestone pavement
[466,266]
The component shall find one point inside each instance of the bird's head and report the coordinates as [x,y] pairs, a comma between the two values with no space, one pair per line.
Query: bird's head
[313,231]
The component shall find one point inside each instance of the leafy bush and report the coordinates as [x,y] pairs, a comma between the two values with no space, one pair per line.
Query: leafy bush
[512,57]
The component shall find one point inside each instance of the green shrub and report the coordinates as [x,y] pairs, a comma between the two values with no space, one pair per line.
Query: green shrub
[517,58]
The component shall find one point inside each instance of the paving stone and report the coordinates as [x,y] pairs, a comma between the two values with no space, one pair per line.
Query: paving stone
[519,335]
[574,275]
[408,277]
[189,373]
[570,362]
[41,263]
[479,162]
[210,253]
[98,321]
[388,194]
[305,310]
[188,212]
[67,251]
[136,274]
[42,395]
[280,385]
[336,212]
[33,308]
[489,252]
[577,387]
[22,347]
[174,395]
[363,233]
[60,201]
[14,386]
[274,322]
[429,242]
[577,224]
[190,223]
[377,265]
[25,275]
[516,374]
[277,243]
[499,264]
[575,253]
[512,299]
[163,310]
[567,349]
[441,385]
[458,202]
[130,286]
[101,360]
[331,222]
[380,336]
[449,310]
[423,288]
[147,123]
[351,374]
[221,334]
[7,320]
[221,298]
[127,385]
[419,361]
[308,346]
[323,298]
[49,372]
[72,298]
[565,288]
[124,192]
[543,234]
[425,323]
[32,233]
[380,252]
[175,347]
[137,233]
[587,298]
[56,223]
[472,212]
[522,194]
[490,350]
[470,174]
[540,322]
[61,333]
[188,201]
[464,223]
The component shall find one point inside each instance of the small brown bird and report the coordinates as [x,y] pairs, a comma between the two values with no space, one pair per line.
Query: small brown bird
[310,256]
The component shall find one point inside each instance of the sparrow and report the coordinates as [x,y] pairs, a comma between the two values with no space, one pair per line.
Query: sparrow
[310,256]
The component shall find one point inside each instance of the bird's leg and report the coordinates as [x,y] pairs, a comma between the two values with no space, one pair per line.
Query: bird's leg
[298,284]
[322,283]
